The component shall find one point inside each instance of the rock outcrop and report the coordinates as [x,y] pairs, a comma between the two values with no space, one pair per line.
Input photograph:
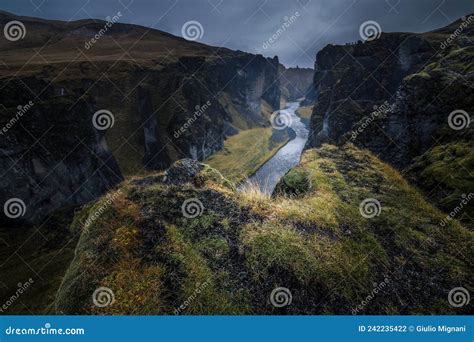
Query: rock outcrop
[50,156]
[393,94]
[401,96]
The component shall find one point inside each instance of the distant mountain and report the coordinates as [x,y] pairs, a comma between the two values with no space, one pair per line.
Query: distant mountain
[59,39]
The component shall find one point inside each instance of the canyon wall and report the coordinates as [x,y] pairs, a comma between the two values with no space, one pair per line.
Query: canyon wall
[406,97]
[392,95]
[295,82]
[101,113]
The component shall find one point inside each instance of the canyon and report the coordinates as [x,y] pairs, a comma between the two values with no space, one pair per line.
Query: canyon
[140,208]
[151,83]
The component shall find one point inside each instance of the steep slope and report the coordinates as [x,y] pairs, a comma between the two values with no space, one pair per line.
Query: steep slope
[132,100]
[295,82]
[185,242]
[402,96]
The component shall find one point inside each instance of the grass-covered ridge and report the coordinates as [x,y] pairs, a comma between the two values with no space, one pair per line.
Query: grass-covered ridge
[238,247]
[443,172]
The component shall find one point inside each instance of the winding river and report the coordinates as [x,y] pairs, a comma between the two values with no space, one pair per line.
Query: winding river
[287,157]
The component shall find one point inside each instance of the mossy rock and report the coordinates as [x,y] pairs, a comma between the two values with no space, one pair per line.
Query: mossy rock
[209,174]
[193,172]
[295,183]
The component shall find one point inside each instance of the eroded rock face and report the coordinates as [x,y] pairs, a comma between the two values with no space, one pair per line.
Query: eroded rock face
[51,157]
[418,118]
[392,95]
[230,101]
[350,80]
[295,82]
[181,102]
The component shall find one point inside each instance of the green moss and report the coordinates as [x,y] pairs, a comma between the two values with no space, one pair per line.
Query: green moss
[458,60]
[215,248]
[422,74]
[105,240]
[282,255]
[189,271]
[209,174]
[201,226]
[137,289]
[294,184]
[445,167]
[274,251]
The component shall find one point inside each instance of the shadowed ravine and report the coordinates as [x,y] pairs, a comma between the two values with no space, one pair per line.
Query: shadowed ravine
[287,157]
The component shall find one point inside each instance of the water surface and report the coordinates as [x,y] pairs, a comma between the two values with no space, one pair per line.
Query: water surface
[287,157]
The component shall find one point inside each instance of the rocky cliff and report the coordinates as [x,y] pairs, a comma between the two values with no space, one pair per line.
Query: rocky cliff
[402,96]
[295,82]
[351,81]
[105,105]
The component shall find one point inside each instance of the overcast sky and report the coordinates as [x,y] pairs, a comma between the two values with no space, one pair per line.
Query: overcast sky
[249,24]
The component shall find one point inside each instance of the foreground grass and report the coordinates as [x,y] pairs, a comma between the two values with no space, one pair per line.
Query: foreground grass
[244,153]
[310,238]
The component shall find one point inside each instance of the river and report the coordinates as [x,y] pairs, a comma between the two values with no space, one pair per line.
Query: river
[268,175]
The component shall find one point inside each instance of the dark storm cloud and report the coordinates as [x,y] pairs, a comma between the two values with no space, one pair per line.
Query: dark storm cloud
[249,25]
